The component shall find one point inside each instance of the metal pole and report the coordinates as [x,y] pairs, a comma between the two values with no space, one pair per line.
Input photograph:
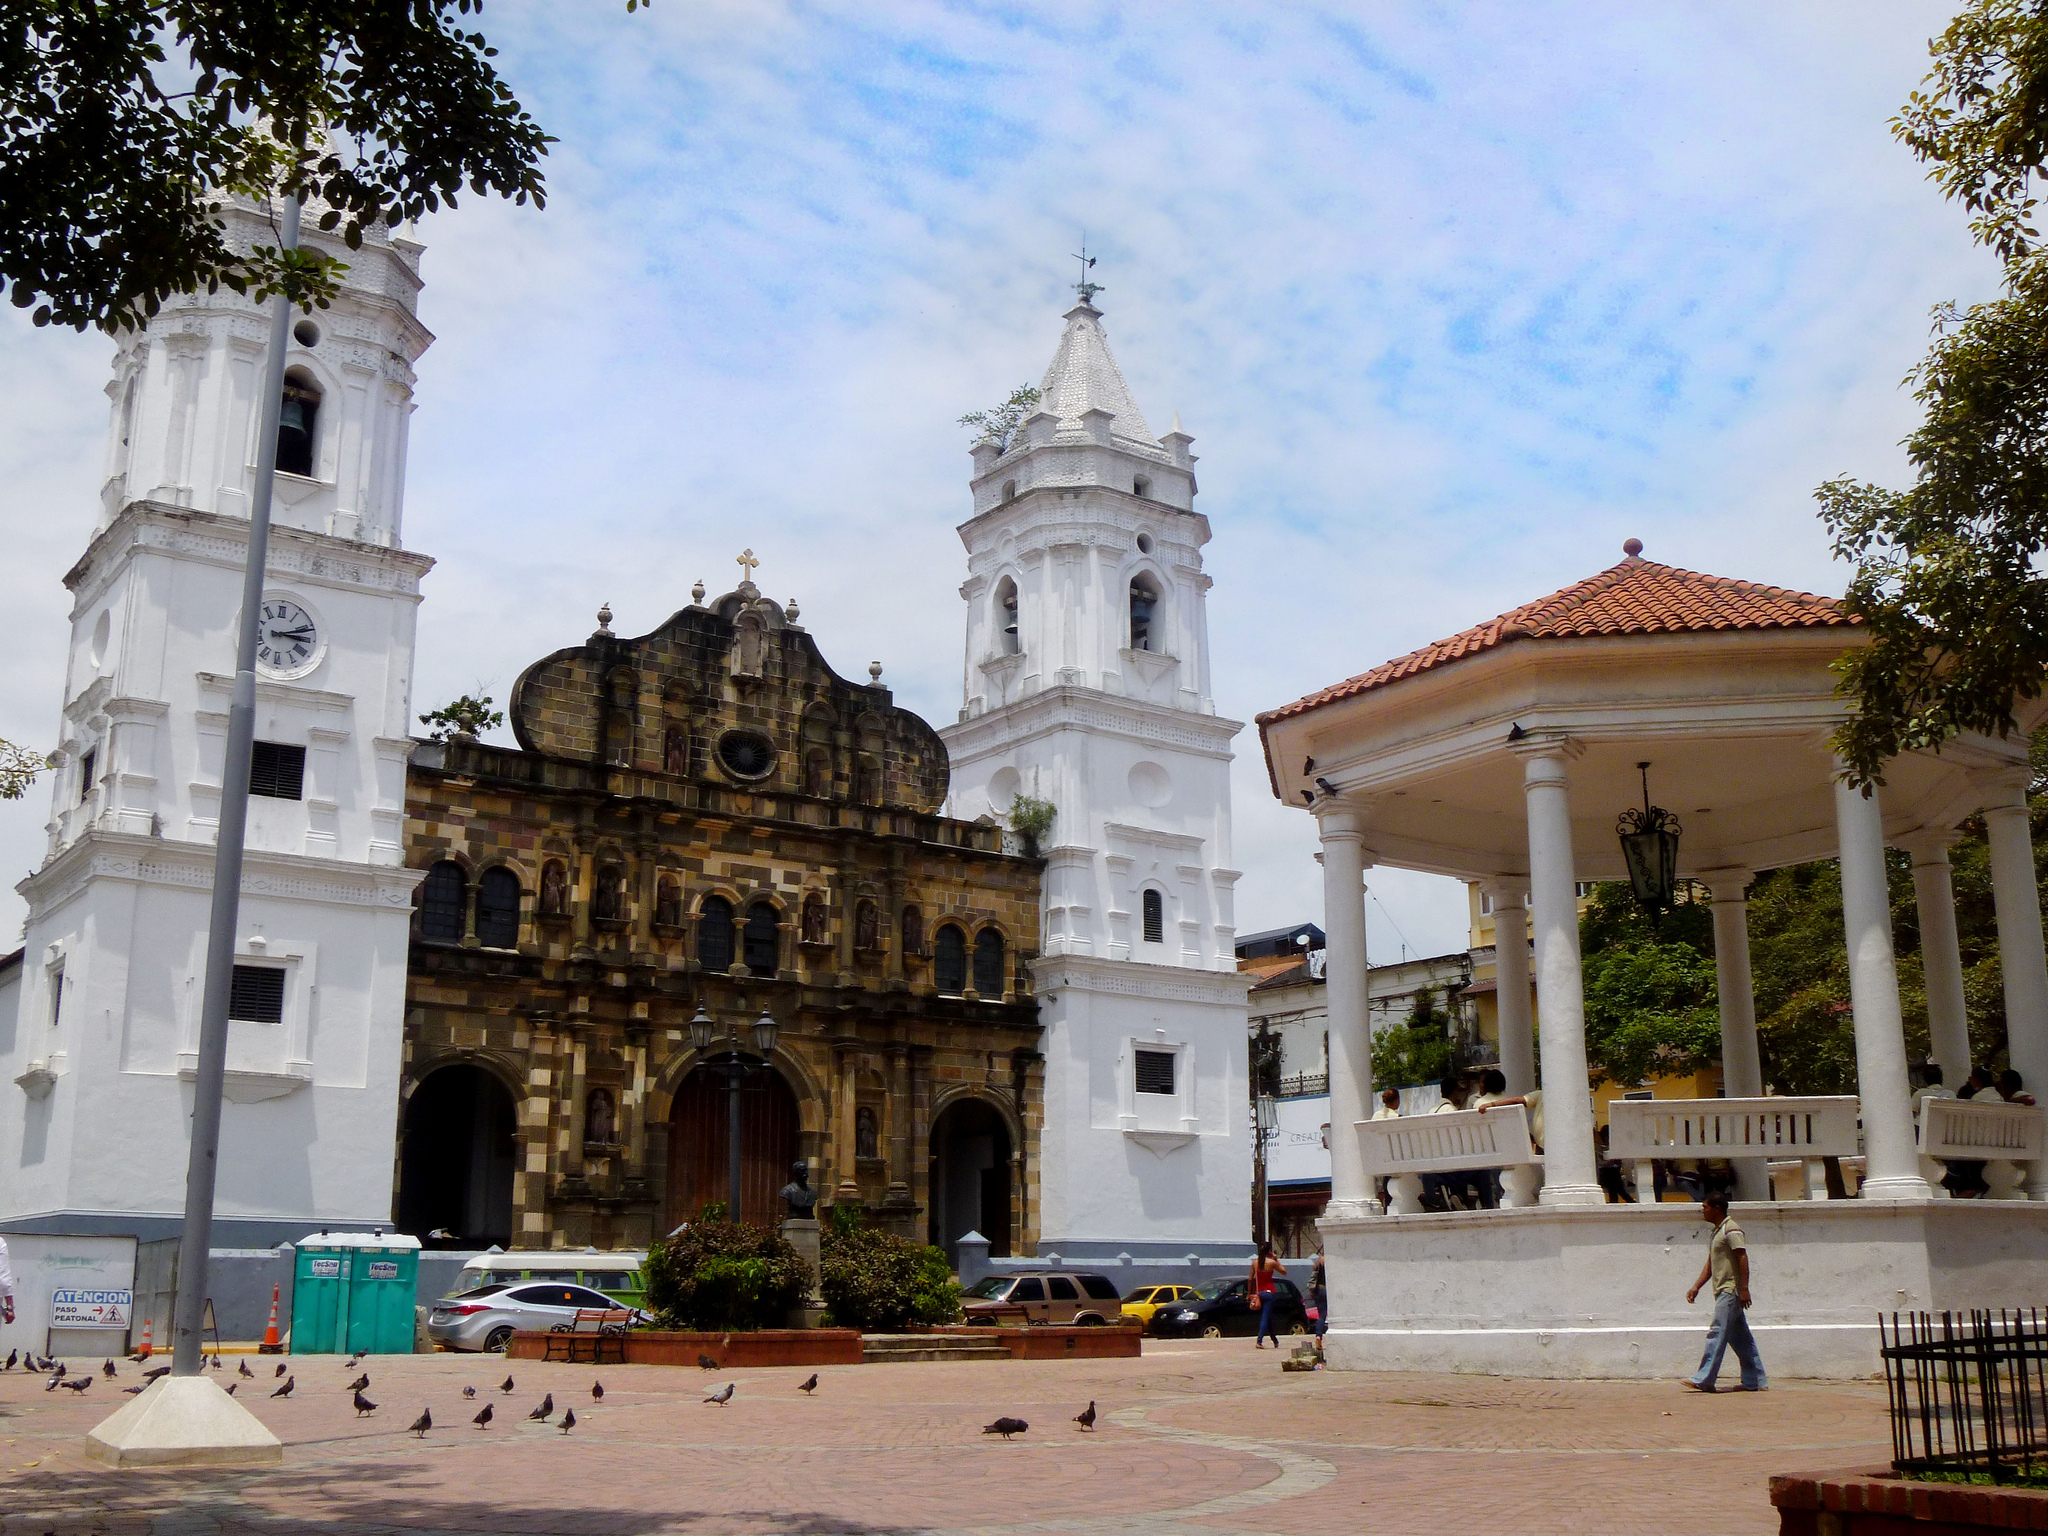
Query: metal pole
[733,1074]
[196,1242]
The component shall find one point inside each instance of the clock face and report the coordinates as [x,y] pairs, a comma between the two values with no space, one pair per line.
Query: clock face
[287,639]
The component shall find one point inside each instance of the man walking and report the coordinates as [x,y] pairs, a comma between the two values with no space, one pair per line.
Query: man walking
[1727,1267]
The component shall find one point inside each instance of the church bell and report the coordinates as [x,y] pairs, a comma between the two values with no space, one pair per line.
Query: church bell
[291,421]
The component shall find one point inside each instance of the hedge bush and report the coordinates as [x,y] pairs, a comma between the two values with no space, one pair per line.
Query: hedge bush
[878,1283]
[722,1276]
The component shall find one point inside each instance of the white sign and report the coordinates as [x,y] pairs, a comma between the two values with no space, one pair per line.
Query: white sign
[383,1269]
[1298,1151]
[326,1269]
[91,1309]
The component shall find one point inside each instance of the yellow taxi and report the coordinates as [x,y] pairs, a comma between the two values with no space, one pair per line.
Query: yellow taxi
[1147,1299]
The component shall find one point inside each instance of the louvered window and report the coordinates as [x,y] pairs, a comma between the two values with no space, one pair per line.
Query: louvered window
[1155,918]
[277,771]
[441,895]
[988,964]
[497,908]
[256,996]
[1155,1071]
[714,934]
[949,961]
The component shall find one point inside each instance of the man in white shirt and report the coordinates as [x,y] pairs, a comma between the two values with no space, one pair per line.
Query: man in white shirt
[1390,1105]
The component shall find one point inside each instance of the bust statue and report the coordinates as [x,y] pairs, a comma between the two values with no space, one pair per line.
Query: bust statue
[798,1194]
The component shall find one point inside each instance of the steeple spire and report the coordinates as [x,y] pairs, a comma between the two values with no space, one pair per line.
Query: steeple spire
[1084,376]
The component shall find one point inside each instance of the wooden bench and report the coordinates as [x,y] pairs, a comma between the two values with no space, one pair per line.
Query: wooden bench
[1809,1129]
[597,1336]
[1401,1150]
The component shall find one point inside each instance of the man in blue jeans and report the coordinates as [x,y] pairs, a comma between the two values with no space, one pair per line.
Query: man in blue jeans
[1727,1267]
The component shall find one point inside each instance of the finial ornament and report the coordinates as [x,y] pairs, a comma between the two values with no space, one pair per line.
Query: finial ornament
[875,671]
[697,592]
[1632,548]
[790,612]
[747,564]
[1086,289]
[604,619]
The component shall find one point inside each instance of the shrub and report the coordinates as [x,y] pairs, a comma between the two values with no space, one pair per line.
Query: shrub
[722,1276]
[877,1283]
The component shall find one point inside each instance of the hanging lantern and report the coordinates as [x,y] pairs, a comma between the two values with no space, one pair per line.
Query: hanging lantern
[765,1031]
[702,1030]
[1649,846]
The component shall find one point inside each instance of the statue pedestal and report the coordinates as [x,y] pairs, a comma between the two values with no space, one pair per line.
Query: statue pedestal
[802,1234]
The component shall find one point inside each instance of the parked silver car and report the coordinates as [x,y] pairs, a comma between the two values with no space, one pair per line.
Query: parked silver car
[487,1317]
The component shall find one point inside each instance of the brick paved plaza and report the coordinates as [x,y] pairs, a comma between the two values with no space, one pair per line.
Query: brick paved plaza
[1198,1436]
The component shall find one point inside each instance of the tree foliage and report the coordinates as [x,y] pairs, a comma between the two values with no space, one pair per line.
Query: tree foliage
[470,715]
[125,123]
[1000,425]
[1957,616]
[722,1276]
[877,1282]
[18,770]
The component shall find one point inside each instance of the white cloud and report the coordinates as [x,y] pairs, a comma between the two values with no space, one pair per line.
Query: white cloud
[1453,300]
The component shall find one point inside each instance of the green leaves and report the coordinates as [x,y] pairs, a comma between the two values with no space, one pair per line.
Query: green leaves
[18,770]
[1000,425]
[720,1275]
[877,1282]
[468,715]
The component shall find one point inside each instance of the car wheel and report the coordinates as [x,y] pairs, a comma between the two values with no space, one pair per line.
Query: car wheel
[1088,1320]
[1212,1332]
[496,1340]
[1297,1329]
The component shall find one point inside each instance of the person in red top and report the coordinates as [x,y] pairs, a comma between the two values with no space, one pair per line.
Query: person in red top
[1264,1268]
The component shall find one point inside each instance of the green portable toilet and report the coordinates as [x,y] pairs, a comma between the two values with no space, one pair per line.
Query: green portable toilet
[353,1293]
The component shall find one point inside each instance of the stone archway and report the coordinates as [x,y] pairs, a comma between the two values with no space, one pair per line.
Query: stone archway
[698,1148]
[457,1158]
[970,1177]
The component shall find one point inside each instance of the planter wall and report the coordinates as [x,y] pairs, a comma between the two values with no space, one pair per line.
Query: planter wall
[1118,1341]
[732,1351]
[1876,1501]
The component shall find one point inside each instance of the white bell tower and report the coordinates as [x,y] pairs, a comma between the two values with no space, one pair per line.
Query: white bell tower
[1087,685]
[97,1059]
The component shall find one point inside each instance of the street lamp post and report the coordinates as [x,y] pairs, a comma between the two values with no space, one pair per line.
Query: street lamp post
[737,1068]
[1266,1117]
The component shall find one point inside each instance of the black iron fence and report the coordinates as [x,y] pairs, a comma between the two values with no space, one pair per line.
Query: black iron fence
[1969,1391]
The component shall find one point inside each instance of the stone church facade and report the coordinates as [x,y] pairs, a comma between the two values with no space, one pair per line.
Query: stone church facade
[709,817]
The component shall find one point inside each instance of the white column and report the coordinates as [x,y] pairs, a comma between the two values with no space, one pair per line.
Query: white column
[1345,993]
[1934,893]
[2020,960]
[1511,973]
[1891,1159]
[1568,1171]
[1742,1075]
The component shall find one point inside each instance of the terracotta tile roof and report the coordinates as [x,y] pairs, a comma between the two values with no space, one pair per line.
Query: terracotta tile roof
[1636,597]
[1295,975]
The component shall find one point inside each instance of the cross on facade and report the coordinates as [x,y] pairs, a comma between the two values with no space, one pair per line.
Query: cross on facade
[747,564]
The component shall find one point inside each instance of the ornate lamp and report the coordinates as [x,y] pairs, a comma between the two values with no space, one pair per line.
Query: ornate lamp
[702,1029]
[1649,846]
[1266,1113]
[765,1030]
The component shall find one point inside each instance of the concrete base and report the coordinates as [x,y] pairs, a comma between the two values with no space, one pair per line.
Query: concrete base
[1600,1292]
[183,1421]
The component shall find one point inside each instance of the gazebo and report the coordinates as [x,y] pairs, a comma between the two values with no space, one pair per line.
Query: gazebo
[1505,755]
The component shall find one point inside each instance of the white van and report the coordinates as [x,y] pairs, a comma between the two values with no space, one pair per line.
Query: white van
[618,1273]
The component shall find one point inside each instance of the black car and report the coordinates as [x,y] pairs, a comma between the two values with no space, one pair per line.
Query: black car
[1219,1309]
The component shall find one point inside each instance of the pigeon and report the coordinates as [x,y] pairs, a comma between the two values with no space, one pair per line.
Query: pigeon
[12,1356]
[469,1391]
[286,1389]
[162,1370]
[231,1388]
[1005,1428]
[353,1361]
[568,1421]
[705,1362]
[280,1368]
[484,1418]
[422,1424]
[723,1395]
[62,1368]
[242,1369]
[1086,1417]
[51,1365]
[216,1362]
[597,1391]
[28,1363]
[546,1410]
[360,1382]
[131,1391]
[808,1387]
[505,1385]
[76,1383]
[364,1405]
[52,1384]
[109,1371]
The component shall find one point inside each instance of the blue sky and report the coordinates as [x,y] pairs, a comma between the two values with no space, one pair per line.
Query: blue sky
[1453,298]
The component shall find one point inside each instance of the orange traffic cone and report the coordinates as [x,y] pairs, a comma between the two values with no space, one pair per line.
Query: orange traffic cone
[272,1343]
[147,1323]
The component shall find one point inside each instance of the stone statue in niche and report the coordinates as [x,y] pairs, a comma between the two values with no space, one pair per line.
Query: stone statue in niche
[749,646]
[867,782]
[668,905]
[600,1122]
[814,920]
[797,1194]
[866,1133]
[818,774]
[675,752]
[611,894]
[867,927]
[554,889]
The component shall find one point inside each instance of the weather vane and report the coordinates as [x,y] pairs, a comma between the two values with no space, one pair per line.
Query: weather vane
[1086,289]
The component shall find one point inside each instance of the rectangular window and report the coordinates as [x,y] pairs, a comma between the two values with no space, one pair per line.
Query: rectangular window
[1155,1071]
[257,994]
[1062,1289]
[88,766]
[277,771]
[1029,1290]
[1155,918]
[56,995]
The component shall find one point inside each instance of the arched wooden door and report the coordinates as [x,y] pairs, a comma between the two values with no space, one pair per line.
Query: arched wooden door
[697,1146]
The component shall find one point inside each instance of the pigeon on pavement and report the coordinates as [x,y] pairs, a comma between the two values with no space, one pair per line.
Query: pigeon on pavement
[1005,1427]
[242,1369]
[723,1395]
[1086,1417]
[109,1371]
[808,1387]
[705,1362]
[505,1385]
[568,1421]
[280,1368]
[131,1391]
[162,1370]
[364,1405]
[231,1388]
[422,1424]
[484,1418]
[546,1410]
[469,1391]
[12,1356]
[76,1383]
[62,1369]
[286,1389]
[52,1384]
[597,1391]
[359,1383]
[29,1364]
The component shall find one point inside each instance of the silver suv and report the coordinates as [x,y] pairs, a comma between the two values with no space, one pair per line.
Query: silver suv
[1045,1296]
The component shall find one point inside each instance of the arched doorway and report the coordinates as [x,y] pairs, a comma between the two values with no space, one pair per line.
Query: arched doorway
[698,1172]
[970,1178]
[456,1159]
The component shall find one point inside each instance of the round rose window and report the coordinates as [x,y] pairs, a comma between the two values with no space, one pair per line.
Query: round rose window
[745,755]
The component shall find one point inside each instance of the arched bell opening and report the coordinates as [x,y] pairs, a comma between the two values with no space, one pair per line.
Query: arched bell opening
[298,425]
[457,1157]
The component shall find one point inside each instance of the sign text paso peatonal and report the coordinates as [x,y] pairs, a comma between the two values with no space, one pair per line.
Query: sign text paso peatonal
[91,1309]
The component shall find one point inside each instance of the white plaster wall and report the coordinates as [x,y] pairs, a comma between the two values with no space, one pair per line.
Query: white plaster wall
[1601,1292]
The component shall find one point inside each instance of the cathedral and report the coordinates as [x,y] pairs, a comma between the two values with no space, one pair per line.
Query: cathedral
[519,994]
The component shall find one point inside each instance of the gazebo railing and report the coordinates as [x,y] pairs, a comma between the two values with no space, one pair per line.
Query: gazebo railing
[1990,1131]
[1968,1391]
[1809,1129]
[1402,1150]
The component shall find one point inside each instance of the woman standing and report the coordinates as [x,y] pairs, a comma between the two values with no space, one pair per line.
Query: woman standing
[1264,1268]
